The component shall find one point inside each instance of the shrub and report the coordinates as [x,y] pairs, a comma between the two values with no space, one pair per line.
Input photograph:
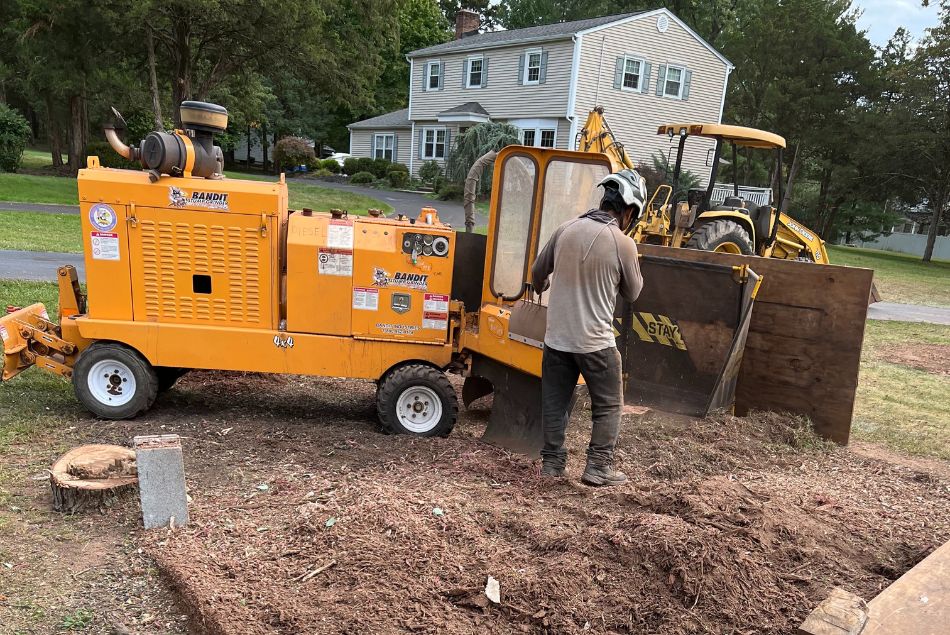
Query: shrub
[109,158]
[322,172]
[451,192]
[290,152]
[381,167]
[398,178]
[430,171]
[351,165]
[398,167]
[362,177]
[14,134]
[365,164]
[331,165]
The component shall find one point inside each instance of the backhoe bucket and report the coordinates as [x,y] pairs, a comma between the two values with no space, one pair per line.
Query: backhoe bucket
[682,340]
[17,356]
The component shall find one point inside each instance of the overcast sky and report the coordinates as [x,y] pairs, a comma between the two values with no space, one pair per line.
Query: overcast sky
[882,17]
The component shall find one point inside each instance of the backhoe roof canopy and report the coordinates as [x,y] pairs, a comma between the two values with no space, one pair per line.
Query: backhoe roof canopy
[740,135]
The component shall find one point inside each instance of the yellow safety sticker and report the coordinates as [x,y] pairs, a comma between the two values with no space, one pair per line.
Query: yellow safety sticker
[658,329]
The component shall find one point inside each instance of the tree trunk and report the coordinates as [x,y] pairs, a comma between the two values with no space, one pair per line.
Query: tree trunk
[90,476]
[248,147]
[77,133]
[934,228]
[54,133]
[792,173]
[264,145]
[824,188]
[153,79]
[181,90]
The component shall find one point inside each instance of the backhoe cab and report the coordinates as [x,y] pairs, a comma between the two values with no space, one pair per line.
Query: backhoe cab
[736,225]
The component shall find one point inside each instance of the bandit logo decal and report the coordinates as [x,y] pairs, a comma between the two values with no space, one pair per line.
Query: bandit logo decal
[209,200]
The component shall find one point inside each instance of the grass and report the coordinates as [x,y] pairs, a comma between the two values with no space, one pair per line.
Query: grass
[319,198]
[34,231]
[902,407]
[37,160]
[900,277]
[29,188]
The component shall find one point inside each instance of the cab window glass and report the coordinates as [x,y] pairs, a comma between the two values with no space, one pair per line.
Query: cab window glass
[519,176]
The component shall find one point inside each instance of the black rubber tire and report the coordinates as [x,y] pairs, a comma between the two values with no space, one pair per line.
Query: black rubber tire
[397,381]
[146,380]
[168,376]
[712,234]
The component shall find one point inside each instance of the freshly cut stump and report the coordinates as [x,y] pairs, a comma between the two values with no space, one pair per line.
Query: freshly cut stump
[90,476]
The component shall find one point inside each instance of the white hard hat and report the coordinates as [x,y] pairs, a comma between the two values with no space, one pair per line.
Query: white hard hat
[630,185]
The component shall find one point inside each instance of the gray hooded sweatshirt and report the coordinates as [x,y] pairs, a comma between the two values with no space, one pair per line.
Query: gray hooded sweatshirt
[591,261]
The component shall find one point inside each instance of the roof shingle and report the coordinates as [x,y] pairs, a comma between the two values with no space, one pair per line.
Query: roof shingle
[394,119]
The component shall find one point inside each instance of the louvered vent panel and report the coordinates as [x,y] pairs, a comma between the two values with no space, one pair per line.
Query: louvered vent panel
[152,299]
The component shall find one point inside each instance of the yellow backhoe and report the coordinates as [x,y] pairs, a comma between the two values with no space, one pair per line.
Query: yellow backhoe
[690,218]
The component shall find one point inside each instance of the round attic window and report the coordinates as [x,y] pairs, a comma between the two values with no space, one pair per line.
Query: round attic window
[662,24]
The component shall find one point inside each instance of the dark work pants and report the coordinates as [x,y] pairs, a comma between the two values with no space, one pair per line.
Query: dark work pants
[602,372]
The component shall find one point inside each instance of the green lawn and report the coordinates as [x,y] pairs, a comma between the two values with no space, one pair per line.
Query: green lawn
[902,407]
[34,231]
[900,277]
[37,160]
[29,188]
[320,199]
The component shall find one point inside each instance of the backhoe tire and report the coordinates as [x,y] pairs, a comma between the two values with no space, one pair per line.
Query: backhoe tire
[417,399]
[721,235]
[168,377]
[114,381]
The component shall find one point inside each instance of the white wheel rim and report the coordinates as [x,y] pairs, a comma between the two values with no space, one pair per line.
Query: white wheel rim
[111,383]
[419,409]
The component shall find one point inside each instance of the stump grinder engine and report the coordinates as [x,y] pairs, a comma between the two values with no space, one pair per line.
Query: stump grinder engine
[187,269]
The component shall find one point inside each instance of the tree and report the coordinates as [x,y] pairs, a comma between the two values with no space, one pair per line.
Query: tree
[476,141]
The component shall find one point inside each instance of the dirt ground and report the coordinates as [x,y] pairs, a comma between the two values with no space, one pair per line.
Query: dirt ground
[931,358]
[306,520]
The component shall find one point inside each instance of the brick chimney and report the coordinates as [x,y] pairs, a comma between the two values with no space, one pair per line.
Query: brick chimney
[466,23]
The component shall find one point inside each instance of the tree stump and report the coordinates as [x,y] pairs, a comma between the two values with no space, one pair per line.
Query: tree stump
[91,476]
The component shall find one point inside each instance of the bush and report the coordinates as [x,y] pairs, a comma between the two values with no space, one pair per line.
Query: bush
[109,158]
[451,192]
[14,134]
[381,167]
[398,167]
[351,165]
[362,177]
[331,165]
[430,171]
[398,178]
[290,152]
[321,172]
[365,164]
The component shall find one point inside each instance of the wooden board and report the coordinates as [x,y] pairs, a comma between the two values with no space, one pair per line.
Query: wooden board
[804,347]
[918,603]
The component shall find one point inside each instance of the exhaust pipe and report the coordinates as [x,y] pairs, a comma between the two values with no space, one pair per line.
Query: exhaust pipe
[121,149]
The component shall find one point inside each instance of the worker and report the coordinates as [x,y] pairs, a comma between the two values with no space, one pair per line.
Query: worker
[589,261]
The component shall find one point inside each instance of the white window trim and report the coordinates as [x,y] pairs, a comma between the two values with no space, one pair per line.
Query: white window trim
[537,135]
[435,131]
[643,62]
[527,65]
[376,147]
[468,73]
[428,78]
[682,70]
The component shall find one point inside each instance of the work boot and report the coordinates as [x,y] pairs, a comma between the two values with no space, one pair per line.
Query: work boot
[597,476]
[551,470]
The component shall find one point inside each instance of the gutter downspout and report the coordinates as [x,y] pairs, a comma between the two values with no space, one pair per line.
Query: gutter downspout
[572,91]
[412,135]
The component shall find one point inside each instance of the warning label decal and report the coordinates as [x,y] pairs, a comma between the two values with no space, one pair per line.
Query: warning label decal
[366,298]
[340,234]
[435,320]
[436,302]
[105,246]
[3,333]
[335,262]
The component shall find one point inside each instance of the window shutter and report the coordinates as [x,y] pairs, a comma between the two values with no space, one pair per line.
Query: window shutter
[618,74]
[645,73]
[448,140]
[441,76]
[372,147]
[660,80]
[422,143]
[395,147]
[464,73]
[521,69]
[544,67]
[484,72]
[687,78]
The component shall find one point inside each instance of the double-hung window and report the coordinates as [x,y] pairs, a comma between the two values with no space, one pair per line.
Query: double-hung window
[384,146]
[476,68]
[538,137]
[673,84]
[433,79]
[632,74]
[532,67]
[433,143]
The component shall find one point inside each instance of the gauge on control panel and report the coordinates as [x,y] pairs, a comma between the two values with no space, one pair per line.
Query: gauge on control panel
[440,246]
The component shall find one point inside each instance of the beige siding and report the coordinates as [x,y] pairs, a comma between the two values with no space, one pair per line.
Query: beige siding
[504,97]
[451,128]
[361,143]
[634,117]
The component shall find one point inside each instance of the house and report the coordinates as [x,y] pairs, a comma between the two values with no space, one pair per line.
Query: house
[645,68]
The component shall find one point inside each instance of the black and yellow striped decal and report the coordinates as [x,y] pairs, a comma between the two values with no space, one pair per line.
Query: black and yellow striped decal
[655,328]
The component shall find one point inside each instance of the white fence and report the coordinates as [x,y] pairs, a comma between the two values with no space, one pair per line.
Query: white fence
[908,244]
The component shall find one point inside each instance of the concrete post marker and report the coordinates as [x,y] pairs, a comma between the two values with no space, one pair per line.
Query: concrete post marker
[161,472]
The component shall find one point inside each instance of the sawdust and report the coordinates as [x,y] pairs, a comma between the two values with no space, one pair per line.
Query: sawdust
[727,526]
[930,358]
